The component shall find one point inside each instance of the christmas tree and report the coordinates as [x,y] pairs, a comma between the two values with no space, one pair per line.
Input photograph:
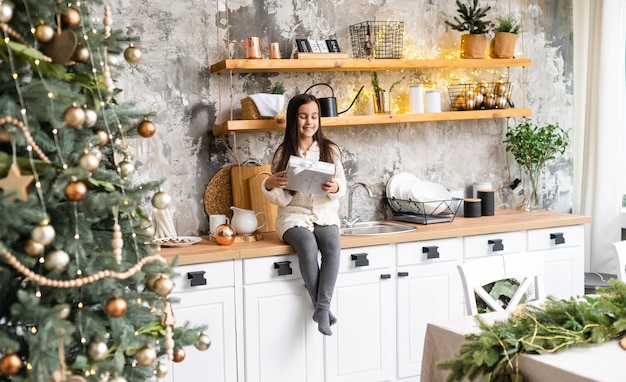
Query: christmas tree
[84,294]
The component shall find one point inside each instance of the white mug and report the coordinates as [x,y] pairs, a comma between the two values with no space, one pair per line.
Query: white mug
[217,220]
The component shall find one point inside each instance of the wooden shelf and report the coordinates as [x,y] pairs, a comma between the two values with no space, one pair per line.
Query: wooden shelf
[264,125]
[357,64]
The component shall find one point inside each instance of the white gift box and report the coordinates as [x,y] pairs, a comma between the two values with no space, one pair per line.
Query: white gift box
[306,175]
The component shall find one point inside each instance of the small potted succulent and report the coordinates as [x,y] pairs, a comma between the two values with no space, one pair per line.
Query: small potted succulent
[506,29]
[472,19]
[533,147]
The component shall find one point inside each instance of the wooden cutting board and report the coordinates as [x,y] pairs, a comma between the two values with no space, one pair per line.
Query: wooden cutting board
[258,201]
[239,176]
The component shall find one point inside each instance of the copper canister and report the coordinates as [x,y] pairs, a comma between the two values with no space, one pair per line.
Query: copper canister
[253,48]
[275,51]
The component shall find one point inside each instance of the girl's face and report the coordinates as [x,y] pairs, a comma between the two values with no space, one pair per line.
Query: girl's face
[308,120]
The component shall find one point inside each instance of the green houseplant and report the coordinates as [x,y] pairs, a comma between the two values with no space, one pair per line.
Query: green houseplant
[472,19]
[506,29]
[532,147]
[381,96]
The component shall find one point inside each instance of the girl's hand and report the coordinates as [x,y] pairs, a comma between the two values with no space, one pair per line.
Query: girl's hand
[277,180]
[331,186]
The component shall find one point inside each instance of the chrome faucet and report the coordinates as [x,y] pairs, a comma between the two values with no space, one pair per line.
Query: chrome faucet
[349,222]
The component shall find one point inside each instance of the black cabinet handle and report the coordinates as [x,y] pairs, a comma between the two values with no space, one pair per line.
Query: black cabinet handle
[284,267]
[497,245]
[403,274]
[197,278]
[558,237]
[360,259]
[431,252]
[385,276]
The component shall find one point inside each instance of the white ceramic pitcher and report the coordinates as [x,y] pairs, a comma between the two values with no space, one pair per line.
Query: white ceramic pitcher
[245,221]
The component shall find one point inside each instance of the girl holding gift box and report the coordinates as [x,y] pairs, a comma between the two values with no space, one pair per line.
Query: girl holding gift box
[309,222]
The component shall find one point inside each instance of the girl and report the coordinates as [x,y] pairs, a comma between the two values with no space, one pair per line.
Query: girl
[309,222]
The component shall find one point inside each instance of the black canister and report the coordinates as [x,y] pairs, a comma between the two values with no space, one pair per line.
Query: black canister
[487,205]
[472,207]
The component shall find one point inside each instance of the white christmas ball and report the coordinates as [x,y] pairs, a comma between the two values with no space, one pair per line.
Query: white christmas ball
[6,12]
[56,260]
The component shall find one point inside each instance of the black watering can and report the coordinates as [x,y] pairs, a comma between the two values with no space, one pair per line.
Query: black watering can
[328,105]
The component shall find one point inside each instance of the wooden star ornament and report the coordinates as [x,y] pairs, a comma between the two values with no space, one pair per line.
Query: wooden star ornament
[15,185]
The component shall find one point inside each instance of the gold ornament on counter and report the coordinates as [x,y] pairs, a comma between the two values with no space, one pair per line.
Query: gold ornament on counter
[43,33]
[146,356]
[224,234]
[10,364]
[146,128]
[15,185]
[74,116]
[132,55]
[75,191]
[115,307]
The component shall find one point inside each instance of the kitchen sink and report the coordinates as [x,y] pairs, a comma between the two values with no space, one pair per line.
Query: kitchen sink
[376,228]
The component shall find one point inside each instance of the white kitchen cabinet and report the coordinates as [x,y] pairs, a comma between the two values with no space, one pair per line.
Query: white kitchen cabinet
[362,345]
[206,294]
[564,259]
[428,289]
[281,341]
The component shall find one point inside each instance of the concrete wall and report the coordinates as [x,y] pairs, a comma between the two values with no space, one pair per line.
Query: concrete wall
[181,39]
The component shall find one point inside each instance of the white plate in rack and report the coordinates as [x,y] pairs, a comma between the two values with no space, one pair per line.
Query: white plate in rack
[429,193]
[179,241]
[398,183]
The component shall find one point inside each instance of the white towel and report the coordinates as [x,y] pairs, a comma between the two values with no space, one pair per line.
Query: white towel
[269,105]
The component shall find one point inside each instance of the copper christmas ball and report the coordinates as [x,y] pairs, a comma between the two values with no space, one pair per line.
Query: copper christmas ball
[115,307]
[179,355]
[224,234]
[146,129]
[75,191]
[10,364]
[74,116]
[33,248]
[146,356]
[71,18]
[44,33]
[132,55]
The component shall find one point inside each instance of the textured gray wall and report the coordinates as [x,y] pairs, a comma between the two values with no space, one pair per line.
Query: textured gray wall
[181,40]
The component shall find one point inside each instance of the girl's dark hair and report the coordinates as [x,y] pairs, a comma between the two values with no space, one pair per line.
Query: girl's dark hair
[328,149]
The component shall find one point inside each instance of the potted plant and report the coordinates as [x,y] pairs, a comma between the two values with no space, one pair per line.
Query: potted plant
[473,20]
[381,96]
[532,147]
[503,43]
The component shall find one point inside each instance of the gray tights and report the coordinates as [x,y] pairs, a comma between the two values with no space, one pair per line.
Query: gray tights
[318,279]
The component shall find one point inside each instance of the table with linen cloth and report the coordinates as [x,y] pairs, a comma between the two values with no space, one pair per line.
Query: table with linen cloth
[597,362]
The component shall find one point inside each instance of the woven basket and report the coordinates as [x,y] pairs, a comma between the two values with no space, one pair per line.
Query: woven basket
[250,111]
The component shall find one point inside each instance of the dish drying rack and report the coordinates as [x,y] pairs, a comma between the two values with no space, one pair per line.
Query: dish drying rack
[439,211]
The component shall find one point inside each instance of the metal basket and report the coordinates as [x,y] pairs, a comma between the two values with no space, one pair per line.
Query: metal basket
[480,96]
[439,211]
[377,39]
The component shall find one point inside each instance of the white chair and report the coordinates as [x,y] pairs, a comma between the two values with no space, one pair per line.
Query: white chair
[526,267]
[620,252]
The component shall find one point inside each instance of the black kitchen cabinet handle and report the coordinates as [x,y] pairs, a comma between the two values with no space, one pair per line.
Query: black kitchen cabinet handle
[385,276]
[431,252]
[360,259]
[497,245]
[403,274]
[284,267]
[197,278]
[558,237]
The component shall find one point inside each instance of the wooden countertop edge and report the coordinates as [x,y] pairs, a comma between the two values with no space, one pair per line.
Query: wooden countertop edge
[504,221]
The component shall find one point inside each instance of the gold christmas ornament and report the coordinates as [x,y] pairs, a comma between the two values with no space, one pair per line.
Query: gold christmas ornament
[161,200]
[33,248]
[81,54]
[115,307]
[63,311]
[75,191]
[118,378]
[43,234]
[163,286]
[10,364]
[74,116]
[6,12]
[91,117]
[56,260]
[146,356]
[89,161]
[146,128]
[44,33]
[98,351]
[179,355]
[15,185]
[132,55]
[204,342]
[126,169]
[160,371]
[150,279]
[71,18]
[103,137]
[224,234]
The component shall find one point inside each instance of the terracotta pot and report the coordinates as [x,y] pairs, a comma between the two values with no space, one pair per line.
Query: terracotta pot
[502,45]
[473,45]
